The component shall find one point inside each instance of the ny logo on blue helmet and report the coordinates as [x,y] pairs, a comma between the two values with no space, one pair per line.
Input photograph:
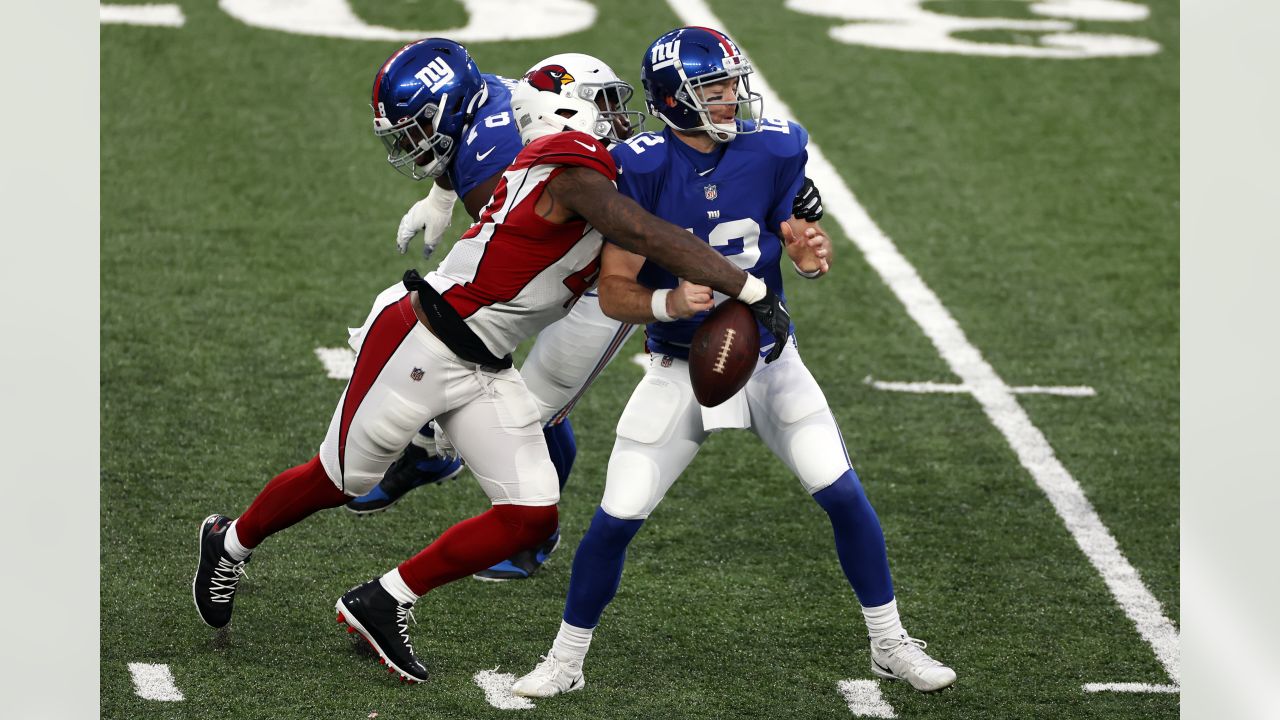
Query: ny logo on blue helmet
[697,80]
[424,99]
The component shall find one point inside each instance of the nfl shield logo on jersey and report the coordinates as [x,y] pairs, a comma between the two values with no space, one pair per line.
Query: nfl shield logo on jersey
[417,374]
[710,192]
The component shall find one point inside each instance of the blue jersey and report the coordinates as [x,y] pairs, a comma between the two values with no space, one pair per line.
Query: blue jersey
[735,198]
[491,144]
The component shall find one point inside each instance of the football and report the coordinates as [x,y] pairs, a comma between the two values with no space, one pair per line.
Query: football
[724,352]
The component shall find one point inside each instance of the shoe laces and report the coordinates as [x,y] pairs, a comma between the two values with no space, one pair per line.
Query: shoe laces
[550,666]
[908,649]
[226,575]
[404,613]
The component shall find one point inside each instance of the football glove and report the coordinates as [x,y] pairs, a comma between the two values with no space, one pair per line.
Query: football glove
[442,446]
[808,202]
[773,315]
[429,216]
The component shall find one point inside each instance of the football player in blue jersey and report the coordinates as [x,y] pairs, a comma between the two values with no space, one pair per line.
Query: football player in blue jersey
[730,176]
[460,132]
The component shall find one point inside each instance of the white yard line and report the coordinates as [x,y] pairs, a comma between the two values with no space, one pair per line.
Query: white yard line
[959,389]
[863,697]
[154,682]
[497,690]
[156,15]
[1130,688]
[994,395]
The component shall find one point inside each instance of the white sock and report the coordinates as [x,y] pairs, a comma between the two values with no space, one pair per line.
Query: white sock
[572,643]
[424,442]
[399,589]
[231,544]
[883,621]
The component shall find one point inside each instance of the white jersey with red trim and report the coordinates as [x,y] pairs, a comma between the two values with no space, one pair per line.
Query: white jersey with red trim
[513,272]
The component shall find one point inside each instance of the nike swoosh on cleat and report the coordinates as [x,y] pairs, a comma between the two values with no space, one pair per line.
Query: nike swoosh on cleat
[485,154]
[588,146]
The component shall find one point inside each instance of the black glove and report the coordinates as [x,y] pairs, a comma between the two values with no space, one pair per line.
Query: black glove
[808,203]
[773,315]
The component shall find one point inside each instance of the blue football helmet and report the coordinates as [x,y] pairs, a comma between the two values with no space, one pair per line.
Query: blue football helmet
[681,62]
[424,99]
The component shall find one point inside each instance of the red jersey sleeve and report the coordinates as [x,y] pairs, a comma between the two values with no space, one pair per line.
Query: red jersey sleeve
[570,149]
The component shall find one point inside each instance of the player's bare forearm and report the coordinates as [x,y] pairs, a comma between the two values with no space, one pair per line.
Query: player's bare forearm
[625,300]
[622,297]
[620,219]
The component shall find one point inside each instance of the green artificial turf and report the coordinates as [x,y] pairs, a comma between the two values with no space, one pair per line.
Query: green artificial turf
[248,218]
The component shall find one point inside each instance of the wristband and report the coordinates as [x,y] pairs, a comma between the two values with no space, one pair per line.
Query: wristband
[753,290]
[808,275]
[441,200]
[658,305]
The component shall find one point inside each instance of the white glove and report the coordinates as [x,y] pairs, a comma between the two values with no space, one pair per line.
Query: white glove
[429,216]
[443,447]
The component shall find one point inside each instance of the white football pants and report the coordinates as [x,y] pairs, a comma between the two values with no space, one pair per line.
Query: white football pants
[404,376]
[569,354]
[663,426]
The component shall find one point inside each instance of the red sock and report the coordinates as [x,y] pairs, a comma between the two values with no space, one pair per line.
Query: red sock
[289,497]
[477,543]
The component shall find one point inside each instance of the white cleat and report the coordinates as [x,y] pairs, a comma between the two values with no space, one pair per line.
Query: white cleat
[550,678]
[904,658]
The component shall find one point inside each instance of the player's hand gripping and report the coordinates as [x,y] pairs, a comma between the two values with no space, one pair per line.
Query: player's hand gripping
[688,300]
[773,315]
[429,216]
[810,252]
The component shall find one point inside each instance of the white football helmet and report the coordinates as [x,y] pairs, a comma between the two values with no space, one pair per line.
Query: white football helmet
[595,81]
[546,102]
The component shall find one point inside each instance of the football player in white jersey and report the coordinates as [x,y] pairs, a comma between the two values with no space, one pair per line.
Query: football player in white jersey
[568,355]
[440,347]
[731,180]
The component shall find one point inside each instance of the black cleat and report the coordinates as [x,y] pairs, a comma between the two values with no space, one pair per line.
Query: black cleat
[370,610]
[214,586]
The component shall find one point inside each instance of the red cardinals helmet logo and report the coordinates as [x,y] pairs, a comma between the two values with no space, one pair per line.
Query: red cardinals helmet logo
[549,78]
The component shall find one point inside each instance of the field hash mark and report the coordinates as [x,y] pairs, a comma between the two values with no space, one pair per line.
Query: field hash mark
[864,699]
[154,682]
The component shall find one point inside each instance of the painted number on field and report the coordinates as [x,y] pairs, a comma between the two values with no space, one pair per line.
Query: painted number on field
[487,20]
[907,25]
[153,15]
